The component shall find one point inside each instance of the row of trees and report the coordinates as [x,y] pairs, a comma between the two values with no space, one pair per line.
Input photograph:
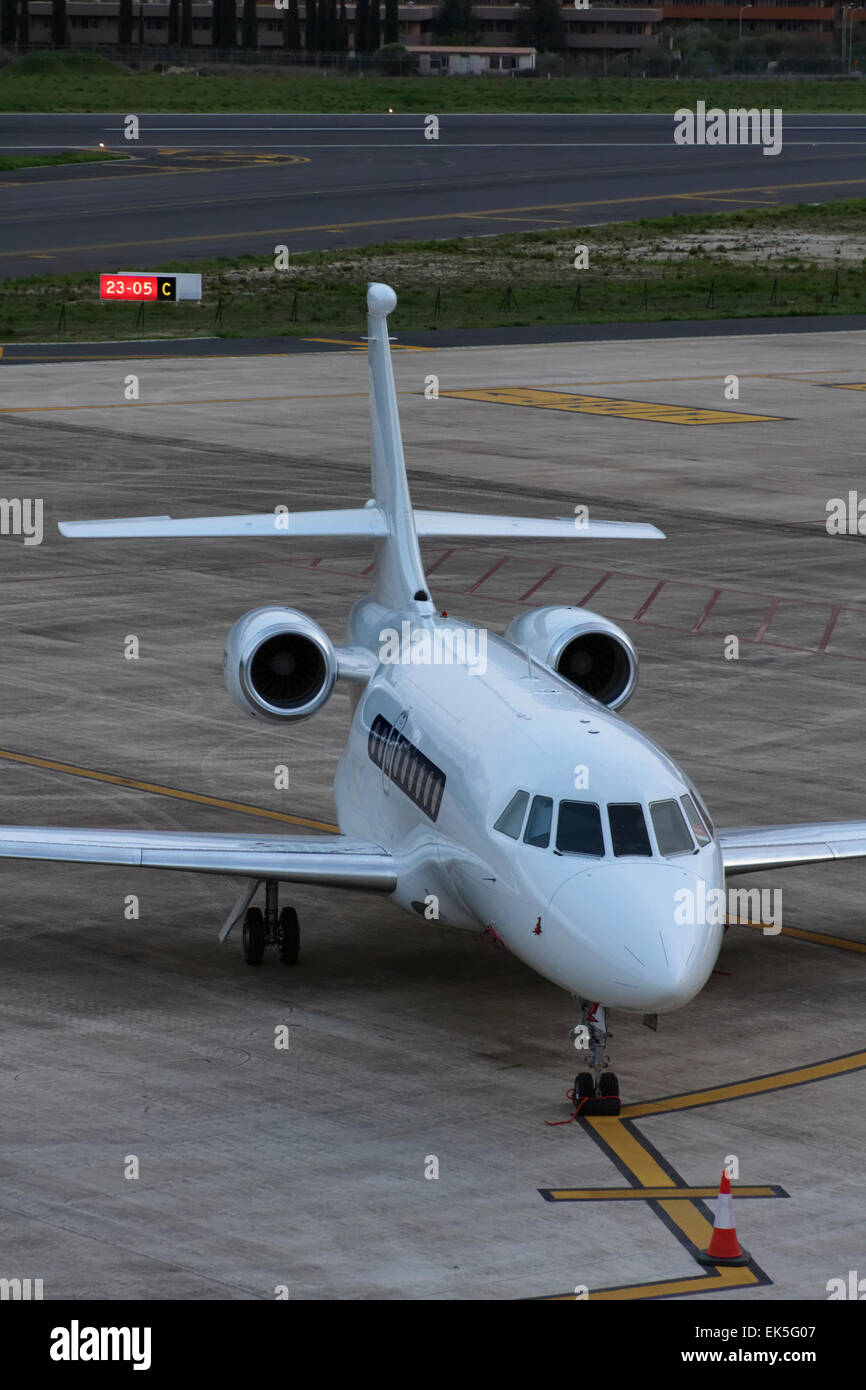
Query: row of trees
[324,29]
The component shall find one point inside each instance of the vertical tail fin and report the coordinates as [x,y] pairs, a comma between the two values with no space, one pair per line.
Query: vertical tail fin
[398,575]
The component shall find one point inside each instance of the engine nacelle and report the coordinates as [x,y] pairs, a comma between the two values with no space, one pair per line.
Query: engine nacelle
[279,664]
[586,649]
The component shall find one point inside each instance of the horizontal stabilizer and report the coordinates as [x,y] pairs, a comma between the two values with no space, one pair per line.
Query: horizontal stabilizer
[566,527]
[358,521]
[353,521]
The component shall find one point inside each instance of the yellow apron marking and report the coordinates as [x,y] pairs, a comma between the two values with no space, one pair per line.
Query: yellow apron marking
[675,1200]
[652,1194]
[759,1085]
[820,938]
[157,789]
[362,347]
[846,385]
[731,1278]
[680,1211]
[606,405]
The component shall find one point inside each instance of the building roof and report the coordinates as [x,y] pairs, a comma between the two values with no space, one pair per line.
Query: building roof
[463,48]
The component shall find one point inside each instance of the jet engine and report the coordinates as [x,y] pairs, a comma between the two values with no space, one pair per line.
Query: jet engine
[584,648]
[279,664]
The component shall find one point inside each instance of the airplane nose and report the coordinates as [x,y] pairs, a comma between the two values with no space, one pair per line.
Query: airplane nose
[638,925]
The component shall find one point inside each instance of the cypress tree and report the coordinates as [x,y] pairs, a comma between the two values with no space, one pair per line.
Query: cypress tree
[292,28]
[362,20]
[250,26]
[374,36]
[541,26]
[58,23]
[230,25]
[8,24]
[343,29]
[186,23]
[173,23]
[311,27]
[124,21]
[24,22]
[392,22]
[454,18]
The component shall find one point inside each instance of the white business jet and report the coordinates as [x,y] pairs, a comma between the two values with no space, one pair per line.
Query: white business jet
[504,795]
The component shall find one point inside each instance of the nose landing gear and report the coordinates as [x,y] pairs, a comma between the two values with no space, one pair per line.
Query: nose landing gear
[596,1092]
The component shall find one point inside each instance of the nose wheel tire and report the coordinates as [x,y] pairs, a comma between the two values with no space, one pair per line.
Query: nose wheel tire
[254,936]
[584,1086]
[608,1085]
[288,937]
[596,1099]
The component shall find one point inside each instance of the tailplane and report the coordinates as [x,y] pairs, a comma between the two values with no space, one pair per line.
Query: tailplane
[388,519]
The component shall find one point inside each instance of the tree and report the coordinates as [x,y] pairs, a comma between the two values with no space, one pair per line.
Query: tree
[392,22]
[333,27]
[186,23]
[250,25]
[311,27]
[362,20]
[58,23]
[542,26]
[24,22]
[224,24]
[374,34]
[454,19]
[343,29]
[173,22]
[124,22]
[292,28]
[8,23]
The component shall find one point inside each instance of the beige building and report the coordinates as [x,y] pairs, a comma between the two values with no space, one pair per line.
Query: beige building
[436,59]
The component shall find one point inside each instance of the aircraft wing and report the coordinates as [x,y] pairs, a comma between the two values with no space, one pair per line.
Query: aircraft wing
[750,848]
[333,861]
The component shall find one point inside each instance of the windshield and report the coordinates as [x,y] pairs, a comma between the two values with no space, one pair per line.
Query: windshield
[578,829]
[628,829]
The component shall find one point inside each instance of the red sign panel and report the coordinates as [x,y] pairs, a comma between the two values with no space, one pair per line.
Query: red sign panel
[128,287]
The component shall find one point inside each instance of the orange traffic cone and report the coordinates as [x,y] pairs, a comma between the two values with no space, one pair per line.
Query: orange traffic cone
[724,1248]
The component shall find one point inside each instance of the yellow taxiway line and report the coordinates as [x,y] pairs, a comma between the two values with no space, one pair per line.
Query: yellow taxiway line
[90,774]
[284,232]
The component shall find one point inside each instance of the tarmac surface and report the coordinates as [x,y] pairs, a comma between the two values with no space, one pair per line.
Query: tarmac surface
[198,186]
[305,1167]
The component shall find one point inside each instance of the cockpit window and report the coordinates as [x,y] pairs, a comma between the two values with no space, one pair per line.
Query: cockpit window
[578,829]
[538,826]
[699,830]
[703,810]
[628,829]
[511,820]
[671,830]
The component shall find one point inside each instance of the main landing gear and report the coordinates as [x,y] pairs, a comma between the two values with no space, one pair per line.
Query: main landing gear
[596,1092]
[271,928]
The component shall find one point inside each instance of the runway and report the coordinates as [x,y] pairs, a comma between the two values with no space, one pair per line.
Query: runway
[305,1168]
[201,186]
